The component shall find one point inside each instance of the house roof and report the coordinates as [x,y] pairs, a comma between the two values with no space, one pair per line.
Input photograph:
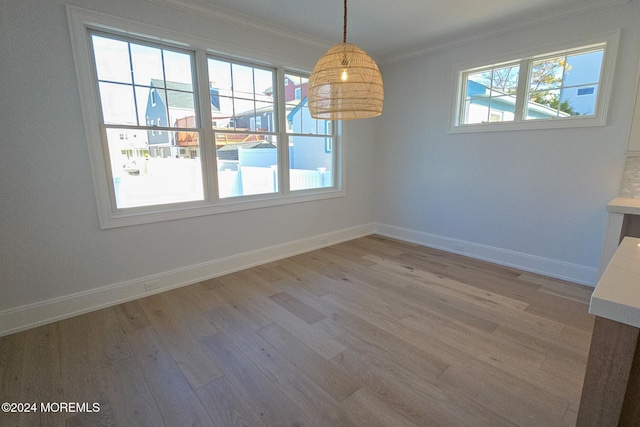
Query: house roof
[247,145]
[181,94]
[297,108]
[478,91]
[230,151]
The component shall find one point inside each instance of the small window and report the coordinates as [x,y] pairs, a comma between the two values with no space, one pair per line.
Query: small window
[560,89]
[586,91]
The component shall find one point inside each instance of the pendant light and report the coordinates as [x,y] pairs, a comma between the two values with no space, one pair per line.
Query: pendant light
[345,83]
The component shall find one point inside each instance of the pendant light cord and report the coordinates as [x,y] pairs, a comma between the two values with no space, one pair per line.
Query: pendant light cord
[344,32]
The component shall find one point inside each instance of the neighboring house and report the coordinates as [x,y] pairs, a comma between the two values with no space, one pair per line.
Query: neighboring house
[262,119]
[294,91]
[253,153]
[257,120]
[176,111]
[481,98]
[129,149]
[307,153]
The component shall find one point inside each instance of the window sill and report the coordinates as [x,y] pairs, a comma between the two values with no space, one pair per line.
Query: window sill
[129,217]
[540,124]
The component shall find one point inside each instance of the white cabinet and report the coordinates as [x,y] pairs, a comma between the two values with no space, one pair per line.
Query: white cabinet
[634,135]
[623,220]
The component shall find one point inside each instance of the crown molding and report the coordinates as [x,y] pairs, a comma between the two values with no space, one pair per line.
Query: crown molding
[445,42]
[244,21]
[461,38]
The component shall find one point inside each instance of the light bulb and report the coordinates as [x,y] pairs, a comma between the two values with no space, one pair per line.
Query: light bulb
[344,75]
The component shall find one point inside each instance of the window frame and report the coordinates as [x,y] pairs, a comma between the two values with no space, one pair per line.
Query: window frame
[156,127]
[330,138]
[608,41]
[82,22]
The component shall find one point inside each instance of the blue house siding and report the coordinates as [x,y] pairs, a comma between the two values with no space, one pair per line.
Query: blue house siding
[479,94]
[157,110]
[156,114]
[307,152]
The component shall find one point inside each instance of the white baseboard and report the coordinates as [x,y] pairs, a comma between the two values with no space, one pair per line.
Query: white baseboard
[536,264]
[43,312]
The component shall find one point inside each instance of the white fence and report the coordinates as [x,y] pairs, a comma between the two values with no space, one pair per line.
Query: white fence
[160,181]
[163,181]
[304,179]
[259,180]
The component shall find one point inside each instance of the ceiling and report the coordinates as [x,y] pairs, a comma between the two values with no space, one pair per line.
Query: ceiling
[389,29]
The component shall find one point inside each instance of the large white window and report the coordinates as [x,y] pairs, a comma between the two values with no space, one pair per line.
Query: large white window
[177,131]
[146,93]
[564,88]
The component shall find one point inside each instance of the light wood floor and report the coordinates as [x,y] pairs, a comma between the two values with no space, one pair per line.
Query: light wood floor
[370,332]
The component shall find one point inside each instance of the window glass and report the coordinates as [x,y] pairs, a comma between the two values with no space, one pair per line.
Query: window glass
[583,68]
[244,124]
[490,94]
[112,60]
[310,162]
[247,165]
[118,103]
[564,86]
[545,83]
[299,119]
[311,155]
[147,65]
[150,164]
[546,87]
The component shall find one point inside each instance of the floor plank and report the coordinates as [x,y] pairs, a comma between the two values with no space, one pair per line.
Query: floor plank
[300,309]
[263,396]
[363,408]
[175,398]
[11,364]
[41,377]
[226,407]
[131,400]
[131,316]
[193,361]
[299,388]
[337,383]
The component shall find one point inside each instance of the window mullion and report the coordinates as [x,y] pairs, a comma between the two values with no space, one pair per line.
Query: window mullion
[207,144]
[283,137]
[462,97]
[521,91]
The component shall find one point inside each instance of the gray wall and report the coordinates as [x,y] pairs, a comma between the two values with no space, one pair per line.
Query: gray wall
[527,194]
[50,241]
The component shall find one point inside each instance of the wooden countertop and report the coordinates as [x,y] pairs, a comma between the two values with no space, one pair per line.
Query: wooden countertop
[624,205]
[617,294]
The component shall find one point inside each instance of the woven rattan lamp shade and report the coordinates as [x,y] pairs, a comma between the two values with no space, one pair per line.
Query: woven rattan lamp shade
[345,84]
